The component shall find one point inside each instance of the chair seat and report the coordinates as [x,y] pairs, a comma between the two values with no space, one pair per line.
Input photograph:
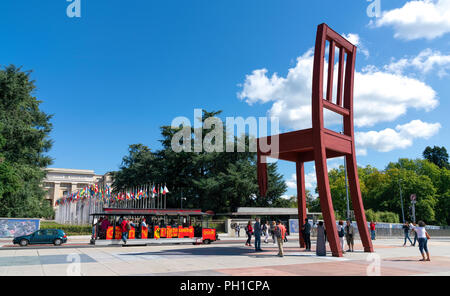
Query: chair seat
[299,145]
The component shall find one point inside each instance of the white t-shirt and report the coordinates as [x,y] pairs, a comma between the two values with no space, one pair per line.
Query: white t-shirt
[420,231]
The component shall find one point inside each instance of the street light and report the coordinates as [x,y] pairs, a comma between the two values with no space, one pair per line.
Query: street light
[346,189]
[401,199]
[346,185]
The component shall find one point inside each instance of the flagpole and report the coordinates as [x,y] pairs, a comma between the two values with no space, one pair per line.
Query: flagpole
[157,197]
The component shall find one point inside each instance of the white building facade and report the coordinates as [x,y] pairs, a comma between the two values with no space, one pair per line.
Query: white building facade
[61,182]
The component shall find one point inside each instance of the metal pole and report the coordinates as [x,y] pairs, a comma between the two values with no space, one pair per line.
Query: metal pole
[401,200]
[346,189]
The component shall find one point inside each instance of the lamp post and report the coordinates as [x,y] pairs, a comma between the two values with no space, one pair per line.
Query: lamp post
[346,189]
[401,200]
[346,184]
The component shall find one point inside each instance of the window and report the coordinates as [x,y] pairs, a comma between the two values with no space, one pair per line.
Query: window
[52,232]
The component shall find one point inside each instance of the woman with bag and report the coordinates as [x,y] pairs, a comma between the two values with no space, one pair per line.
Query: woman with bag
[249,232]
[423,238]
[341,233]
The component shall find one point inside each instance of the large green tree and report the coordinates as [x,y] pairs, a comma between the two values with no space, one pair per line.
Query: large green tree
[437,155]
[217,181]
[382,191]
[24,141]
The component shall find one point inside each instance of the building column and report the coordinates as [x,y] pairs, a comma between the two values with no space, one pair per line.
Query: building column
[73,187]
[55,193]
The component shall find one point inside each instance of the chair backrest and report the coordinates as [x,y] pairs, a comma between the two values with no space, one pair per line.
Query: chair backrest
[343,102]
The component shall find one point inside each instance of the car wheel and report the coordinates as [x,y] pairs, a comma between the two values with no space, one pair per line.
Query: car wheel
[23,242]
[57,242]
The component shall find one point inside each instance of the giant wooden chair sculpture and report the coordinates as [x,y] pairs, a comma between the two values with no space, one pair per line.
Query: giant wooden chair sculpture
[318,143]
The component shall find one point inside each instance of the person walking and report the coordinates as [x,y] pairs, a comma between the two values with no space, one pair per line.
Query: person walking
[280,232]
[266,235]
[415,233]
[249,232]
[237,229]
[257,231]
[125,225]
[423,238]
[372,230]
[341,234]
[406,228]
[272,231]
[349,235]
[320,245]
[287,232]
[306,232]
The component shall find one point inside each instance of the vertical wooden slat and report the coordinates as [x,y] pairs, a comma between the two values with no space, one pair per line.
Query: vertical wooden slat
[330,71]
[340,76]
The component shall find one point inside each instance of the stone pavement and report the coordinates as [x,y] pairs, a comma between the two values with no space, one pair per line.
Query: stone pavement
[223,259]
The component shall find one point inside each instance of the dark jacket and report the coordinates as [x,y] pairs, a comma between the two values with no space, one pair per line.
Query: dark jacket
[257,228]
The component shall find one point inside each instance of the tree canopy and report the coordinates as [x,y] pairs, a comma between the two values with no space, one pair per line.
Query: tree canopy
[437,155]
[381,190]
[24,140]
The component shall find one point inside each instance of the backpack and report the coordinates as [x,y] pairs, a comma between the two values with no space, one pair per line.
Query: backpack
[278,232]
[128,226]
[341,232]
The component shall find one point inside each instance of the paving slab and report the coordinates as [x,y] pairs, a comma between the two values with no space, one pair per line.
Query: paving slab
[224,260]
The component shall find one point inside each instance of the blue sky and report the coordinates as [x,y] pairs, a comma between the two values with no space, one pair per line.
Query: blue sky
[114,76]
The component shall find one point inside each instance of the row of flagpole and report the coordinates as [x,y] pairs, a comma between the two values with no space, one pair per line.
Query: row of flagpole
[145,196]
[76,207]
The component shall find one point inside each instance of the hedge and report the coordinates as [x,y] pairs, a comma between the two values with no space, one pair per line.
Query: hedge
[68,229]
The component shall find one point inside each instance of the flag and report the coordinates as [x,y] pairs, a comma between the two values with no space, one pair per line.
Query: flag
[165,190]
[153,191]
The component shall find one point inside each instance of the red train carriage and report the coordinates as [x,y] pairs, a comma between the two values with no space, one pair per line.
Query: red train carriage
[161,226]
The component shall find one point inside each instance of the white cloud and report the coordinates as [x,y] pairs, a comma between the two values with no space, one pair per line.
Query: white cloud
[400,138]
[427,19]
[379,96]
[310,181]
[426,61]
[292,183]
[356,40]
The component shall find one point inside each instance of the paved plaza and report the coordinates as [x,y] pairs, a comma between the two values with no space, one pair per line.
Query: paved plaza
[224,258]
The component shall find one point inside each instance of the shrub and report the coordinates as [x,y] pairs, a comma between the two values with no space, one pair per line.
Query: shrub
[387,217]
[68,229]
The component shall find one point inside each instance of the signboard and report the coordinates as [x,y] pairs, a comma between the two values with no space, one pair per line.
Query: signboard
[293,226]
[16,227]
[413,198]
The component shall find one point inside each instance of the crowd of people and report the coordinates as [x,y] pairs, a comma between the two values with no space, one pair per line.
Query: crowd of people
[279,232]
[276,230]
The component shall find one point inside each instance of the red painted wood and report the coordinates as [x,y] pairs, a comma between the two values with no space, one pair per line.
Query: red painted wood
[318,144]
[330,71]
[301,199]
[340,76]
